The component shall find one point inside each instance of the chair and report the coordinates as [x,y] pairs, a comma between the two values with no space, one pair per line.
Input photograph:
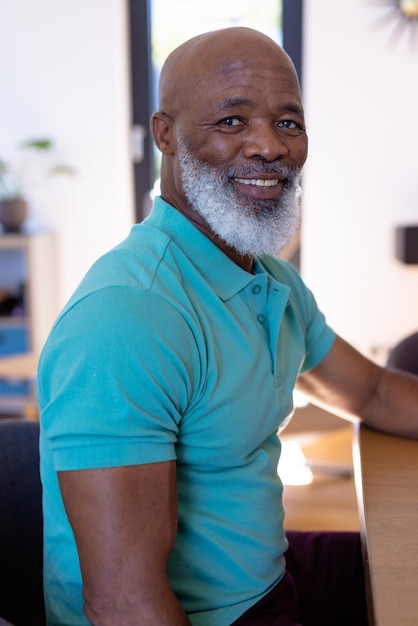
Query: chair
[404,355]
[21,542]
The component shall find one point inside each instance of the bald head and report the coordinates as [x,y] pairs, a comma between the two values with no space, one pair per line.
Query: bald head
[188,66]
[229,101]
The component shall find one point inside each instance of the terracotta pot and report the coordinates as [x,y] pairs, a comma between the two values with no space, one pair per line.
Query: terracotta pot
[12,214]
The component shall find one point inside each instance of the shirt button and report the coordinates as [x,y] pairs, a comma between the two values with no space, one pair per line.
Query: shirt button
[261,318]
[256,289]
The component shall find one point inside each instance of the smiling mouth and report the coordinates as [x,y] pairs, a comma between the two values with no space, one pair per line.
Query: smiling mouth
[258,182]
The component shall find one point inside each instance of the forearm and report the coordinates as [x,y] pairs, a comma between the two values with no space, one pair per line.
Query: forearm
[351,386]
[394,406]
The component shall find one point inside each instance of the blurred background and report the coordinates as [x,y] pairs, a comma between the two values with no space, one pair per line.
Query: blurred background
[84,71]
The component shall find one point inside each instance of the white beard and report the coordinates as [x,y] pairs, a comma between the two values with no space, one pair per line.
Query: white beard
[252,227]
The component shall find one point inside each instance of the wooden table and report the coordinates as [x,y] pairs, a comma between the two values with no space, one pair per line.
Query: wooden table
[386,476]
[329,502]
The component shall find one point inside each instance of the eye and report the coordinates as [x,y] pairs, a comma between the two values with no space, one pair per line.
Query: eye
[230,121]
[290,124]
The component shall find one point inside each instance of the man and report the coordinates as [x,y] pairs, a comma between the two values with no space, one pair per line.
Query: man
[167,376]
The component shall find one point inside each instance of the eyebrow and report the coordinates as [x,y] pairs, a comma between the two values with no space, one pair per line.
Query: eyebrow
[292,108]
[230,103]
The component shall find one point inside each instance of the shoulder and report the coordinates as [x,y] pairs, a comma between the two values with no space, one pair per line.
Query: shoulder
[133,262]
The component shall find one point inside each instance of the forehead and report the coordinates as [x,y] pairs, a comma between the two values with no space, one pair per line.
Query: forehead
[245,83]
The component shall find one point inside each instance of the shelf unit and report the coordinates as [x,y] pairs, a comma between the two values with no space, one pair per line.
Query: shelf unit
[27,302]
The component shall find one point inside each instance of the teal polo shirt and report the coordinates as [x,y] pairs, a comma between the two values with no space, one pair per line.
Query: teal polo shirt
[169,350]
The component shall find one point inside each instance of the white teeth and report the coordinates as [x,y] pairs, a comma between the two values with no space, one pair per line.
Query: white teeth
[259,182]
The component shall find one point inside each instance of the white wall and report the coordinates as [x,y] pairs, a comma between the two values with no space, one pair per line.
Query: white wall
[361,179]
[64,74]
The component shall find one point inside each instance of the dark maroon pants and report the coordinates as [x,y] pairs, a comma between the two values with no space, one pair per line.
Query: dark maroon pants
[323,585]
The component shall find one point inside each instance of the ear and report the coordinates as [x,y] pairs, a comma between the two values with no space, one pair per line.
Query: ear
[162,129]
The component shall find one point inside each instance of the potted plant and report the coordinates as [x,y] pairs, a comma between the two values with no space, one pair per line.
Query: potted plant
[15,180]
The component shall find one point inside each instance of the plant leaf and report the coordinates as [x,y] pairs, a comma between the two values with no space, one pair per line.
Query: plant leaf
[37,144]
[61,169]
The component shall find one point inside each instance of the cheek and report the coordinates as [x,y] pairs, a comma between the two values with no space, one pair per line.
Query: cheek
[215,149]
[299,152]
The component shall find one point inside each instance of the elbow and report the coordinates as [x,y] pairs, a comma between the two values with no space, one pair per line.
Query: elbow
[98,611]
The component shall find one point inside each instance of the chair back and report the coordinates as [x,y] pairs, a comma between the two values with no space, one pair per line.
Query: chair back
[21,526]
[404,356]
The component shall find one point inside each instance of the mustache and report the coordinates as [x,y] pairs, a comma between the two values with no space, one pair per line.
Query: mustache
[262,168]
[291,174]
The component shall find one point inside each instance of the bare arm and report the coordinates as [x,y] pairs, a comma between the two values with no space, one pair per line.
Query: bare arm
[125,521]
[352,386]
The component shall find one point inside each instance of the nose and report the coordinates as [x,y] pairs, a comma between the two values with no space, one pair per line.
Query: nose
[264,141]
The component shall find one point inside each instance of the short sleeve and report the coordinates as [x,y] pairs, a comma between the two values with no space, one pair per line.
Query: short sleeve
[115,376]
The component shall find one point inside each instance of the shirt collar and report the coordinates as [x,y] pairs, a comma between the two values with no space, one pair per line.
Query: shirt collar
[225,277]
